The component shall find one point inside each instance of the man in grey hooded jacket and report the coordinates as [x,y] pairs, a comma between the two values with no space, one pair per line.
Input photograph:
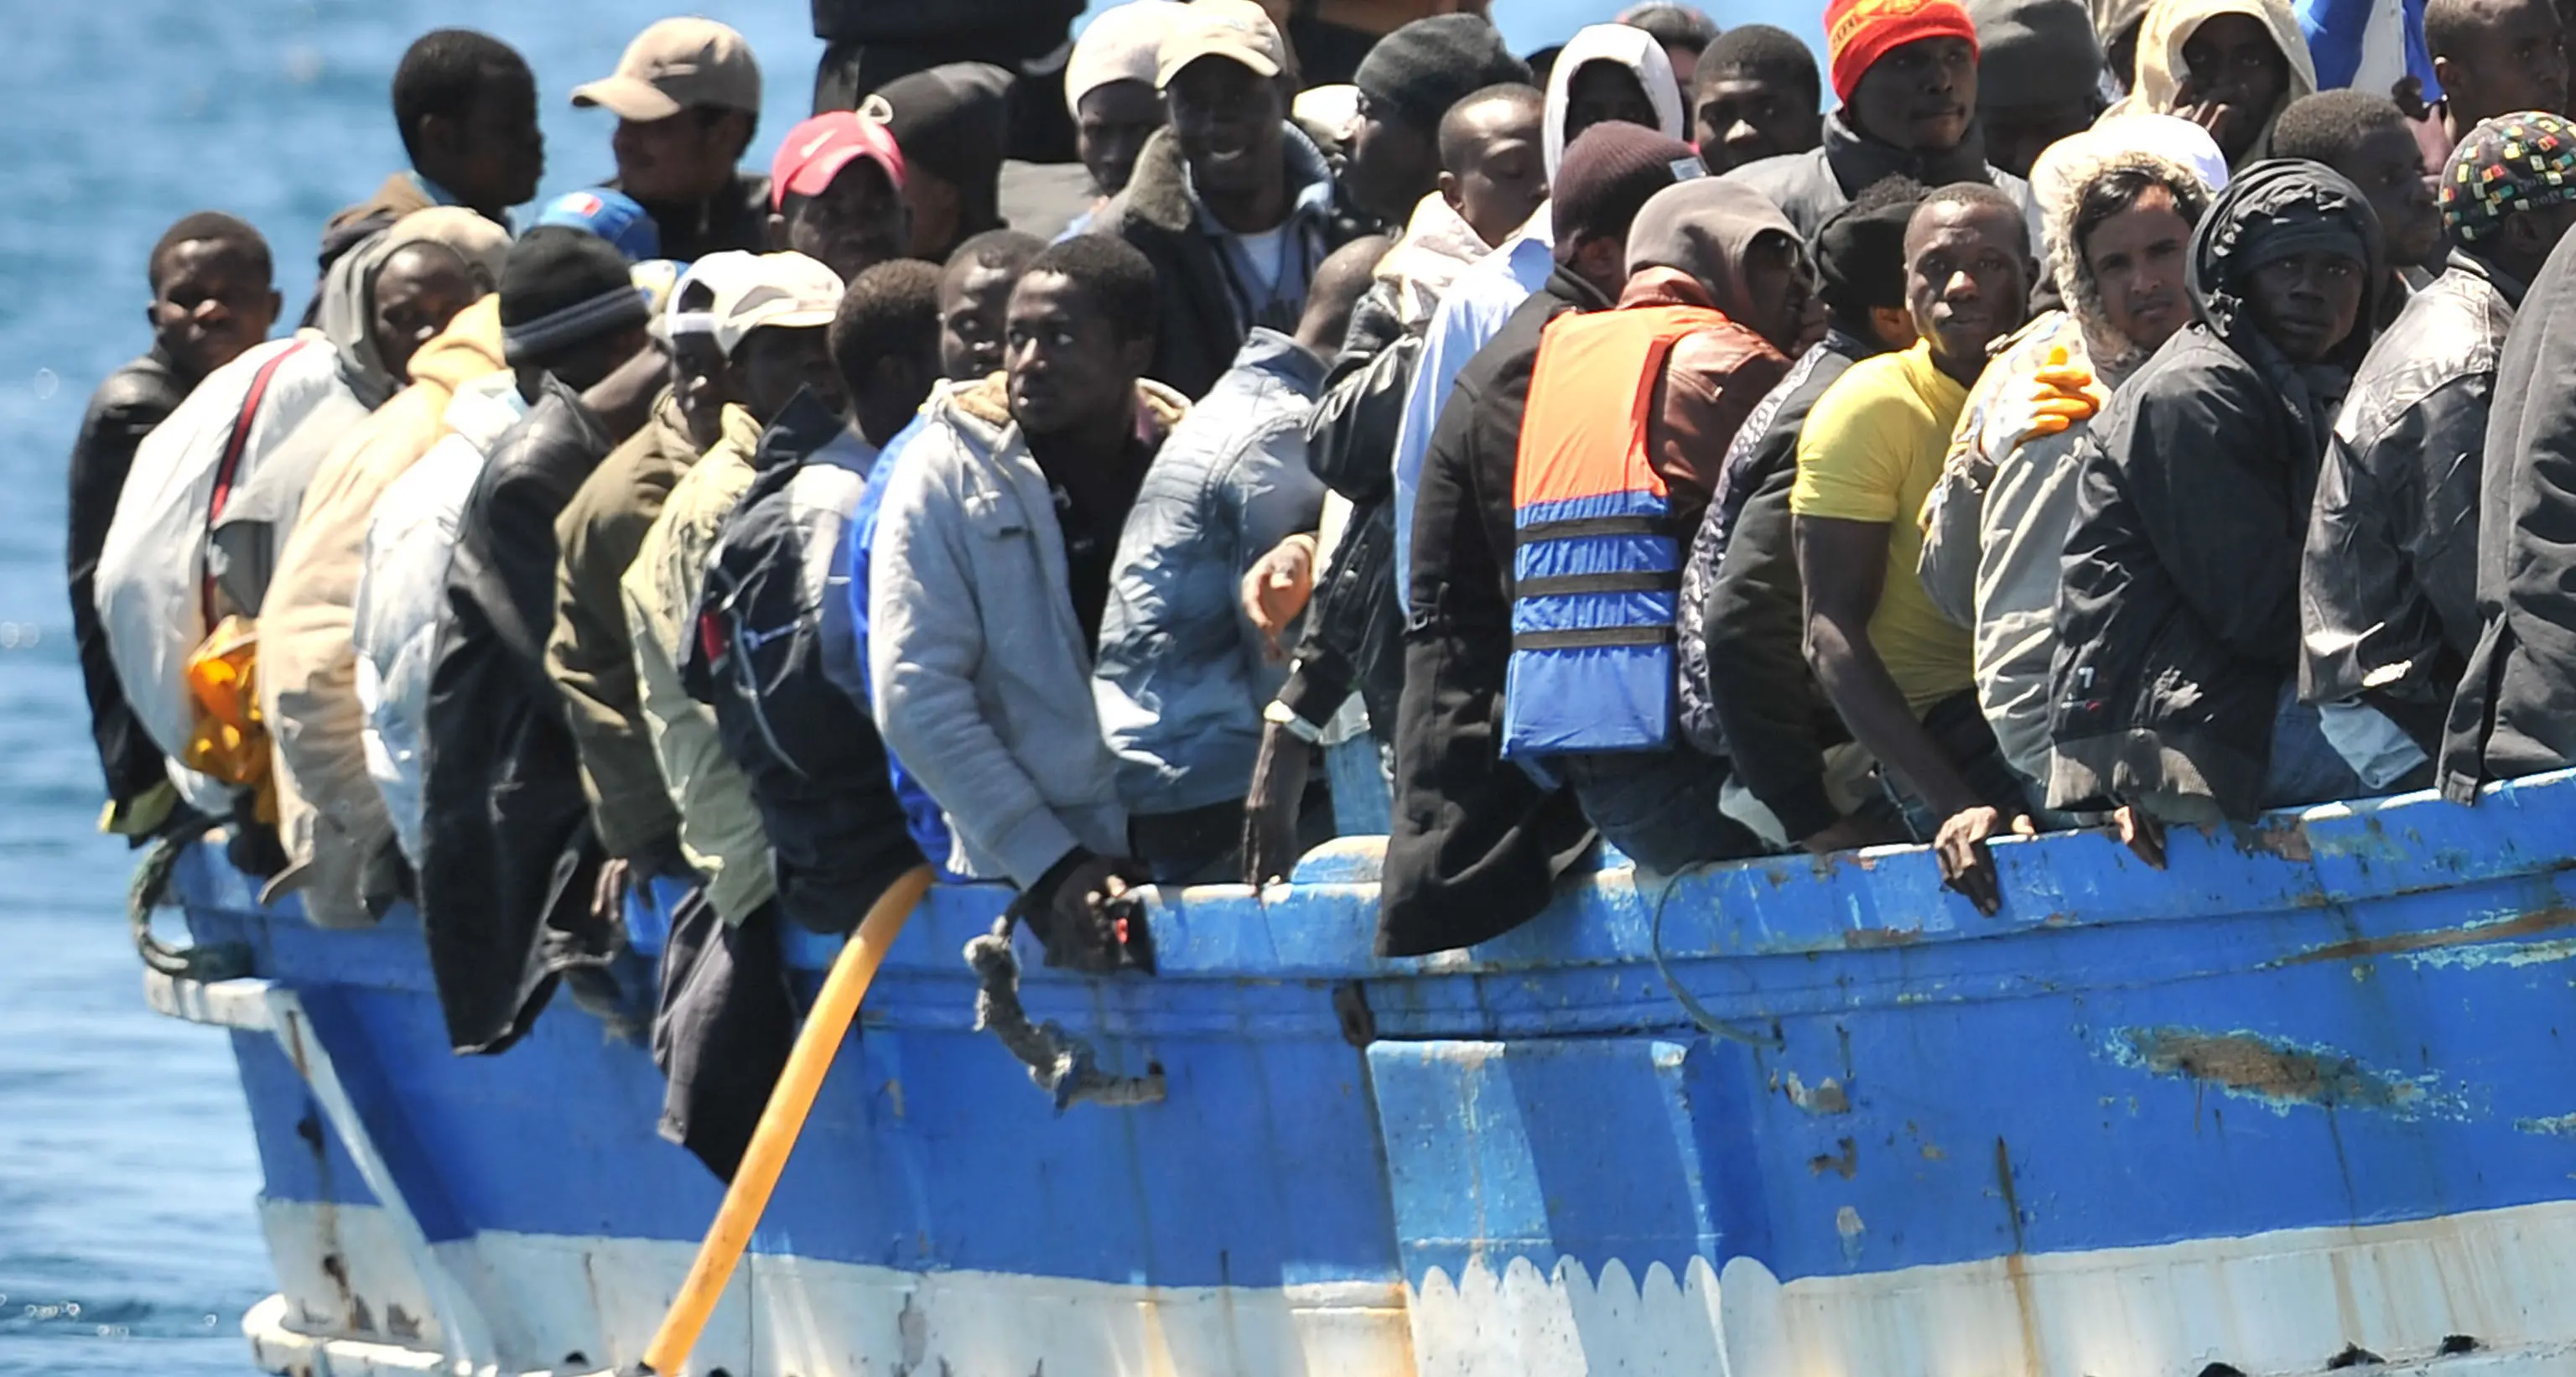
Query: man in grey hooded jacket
[991,571]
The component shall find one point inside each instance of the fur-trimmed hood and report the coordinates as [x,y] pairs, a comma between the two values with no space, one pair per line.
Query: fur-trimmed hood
[980,411]
[2069,170]
[1159,192]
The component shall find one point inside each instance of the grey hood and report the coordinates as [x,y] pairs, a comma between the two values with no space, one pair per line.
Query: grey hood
[347,310]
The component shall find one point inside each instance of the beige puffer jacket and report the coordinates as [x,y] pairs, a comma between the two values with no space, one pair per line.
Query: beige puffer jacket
[331,816]
[720,831]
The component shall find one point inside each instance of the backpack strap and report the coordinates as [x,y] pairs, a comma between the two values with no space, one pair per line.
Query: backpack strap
[229,466]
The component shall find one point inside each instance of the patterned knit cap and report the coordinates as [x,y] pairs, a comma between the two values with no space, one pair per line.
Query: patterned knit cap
[2509,164]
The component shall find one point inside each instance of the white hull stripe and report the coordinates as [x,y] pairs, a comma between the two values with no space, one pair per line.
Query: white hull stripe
[2285,1302]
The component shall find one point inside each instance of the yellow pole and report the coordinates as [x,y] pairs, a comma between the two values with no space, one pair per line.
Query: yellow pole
[784,1117]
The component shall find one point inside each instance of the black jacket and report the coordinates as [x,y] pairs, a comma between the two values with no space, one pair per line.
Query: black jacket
[1746,690]
[1354,639]
[1002,31]
[1809,187]
[734,218]
[2516,710]
[126,407]
[2388,596]
[2179,617]
[505,835]
[773,606]
[1200,321]
[1477,843]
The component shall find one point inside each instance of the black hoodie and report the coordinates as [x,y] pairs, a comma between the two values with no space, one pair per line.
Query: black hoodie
[1809,187]
[2179,617]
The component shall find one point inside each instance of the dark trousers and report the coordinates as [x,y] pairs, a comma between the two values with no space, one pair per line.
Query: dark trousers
[1204,846]
[1659,807]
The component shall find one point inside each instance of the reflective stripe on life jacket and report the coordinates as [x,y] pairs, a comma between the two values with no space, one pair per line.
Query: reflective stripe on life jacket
[1596,568]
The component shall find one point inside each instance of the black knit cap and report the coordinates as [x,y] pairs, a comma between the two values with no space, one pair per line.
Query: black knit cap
[562,287]
[1860,250]
[1609,173]
[1423,68]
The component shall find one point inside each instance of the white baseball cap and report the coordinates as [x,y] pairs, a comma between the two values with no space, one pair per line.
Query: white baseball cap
[786,291]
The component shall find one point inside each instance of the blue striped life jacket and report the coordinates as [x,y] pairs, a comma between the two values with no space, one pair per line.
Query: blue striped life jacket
[1596,568]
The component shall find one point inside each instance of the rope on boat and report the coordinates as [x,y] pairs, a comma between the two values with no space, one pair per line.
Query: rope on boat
[206,961]
[1062,1065]
[1692,1009]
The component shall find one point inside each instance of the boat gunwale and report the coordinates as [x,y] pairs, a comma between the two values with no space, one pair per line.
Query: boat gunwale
[2336,860]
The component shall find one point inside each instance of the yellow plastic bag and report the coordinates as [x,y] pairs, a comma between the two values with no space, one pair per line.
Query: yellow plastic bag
[227,738]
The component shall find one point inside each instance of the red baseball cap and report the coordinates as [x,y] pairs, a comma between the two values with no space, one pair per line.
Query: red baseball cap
[815,152]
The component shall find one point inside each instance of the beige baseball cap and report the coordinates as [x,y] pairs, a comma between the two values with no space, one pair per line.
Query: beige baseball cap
[1237,30]
[676,65]
[788,291]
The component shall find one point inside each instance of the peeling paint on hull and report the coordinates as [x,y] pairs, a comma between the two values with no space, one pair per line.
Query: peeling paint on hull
[2278,1075]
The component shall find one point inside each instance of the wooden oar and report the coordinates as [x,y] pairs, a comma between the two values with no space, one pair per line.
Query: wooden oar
[781,1121]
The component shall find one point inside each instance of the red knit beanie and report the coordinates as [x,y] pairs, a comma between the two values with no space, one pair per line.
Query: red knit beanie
[1860,32]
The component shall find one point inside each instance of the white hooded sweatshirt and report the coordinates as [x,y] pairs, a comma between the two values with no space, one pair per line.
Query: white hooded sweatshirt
[1634,49]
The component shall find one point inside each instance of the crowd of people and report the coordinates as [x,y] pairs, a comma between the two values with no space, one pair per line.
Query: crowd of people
[2085,420]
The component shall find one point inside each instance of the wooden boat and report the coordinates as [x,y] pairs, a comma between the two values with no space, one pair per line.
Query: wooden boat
[2302,1099]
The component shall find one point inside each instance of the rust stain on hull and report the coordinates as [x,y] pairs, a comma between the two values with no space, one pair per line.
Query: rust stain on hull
[2017,1262]
[2530,924]
[2282,1075]
[2287,839]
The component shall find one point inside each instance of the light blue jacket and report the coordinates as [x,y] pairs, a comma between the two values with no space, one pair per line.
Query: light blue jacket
[1471,313]
[977,665]
[1182,675]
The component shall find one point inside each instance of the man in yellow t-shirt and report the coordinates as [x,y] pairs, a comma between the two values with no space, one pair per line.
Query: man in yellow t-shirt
[1897,670]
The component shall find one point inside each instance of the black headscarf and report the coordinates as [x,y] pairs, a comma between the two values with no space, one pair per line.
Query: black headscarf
[2272,210]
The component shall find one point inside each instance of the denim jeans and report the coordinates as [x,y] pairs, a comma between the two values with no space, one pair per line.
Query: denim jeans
[1363,797]
[2379,750]
[1958,726]
[1660,807]
[2306,768]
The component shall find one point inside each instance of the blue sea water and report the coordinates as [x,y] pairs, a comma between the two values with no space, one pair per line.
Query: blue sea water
[128,1242]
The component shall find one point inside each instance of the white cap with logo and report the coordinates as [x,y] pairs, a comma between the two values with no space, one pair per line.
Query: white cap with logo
[785,291]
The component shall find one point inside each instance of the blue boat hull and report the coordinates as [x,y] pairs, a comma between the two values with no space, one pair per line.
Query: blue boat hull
[2300,1092]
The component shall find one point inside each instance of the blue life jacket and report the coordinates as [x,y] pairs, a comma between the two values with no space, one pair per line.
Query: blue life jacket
[1596,568]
